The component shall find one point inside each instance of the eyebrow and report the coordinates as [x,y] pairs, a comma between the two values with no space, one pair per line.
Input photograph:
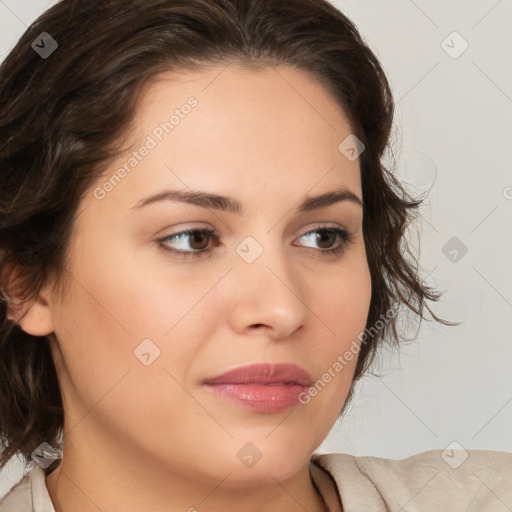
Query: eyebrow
[231,205]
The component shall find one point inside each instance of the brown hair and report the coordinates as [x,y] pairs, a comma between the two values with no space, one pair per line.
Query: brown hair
[62,119]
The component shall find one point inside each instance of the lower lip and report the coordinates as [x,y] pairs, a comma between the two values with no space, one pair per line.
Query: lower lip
[259,397]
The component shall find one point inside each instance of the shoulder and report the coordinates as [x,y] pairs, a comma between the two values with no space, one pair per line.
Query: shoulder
[19,497]
[447,479]
[29,494]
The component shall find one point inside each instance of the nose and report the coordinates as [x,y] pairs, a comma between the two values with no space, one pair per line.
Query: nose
[268,296]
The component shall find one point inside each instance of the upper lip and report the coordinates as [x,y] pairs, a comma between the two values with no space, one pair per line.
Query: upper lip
[264,373]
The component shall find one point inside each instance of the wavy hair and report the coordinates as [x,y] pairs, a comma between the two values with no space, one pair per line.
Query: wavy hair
[62,120]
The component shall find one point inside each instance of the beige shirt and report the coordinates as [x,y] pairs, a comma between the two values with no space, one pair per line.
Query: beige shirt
[431,481]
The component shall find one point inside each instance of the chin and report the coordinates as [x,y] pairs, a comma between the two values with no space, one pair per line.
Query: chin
[280,458]
[280,468]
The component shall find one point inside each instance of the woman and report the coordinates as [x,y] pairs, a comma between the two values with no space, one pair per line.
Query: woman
[201,254]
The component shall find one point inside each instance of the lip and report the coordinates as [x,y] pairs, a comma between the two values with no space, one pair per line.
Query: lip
[263,387]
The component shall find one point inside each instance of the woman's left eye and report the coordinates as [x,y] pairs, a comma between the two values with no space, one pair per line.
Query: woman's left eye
[197,237]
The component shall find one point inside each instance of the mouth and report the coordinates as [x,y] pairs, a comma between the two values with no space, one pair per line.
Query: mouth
[266,388]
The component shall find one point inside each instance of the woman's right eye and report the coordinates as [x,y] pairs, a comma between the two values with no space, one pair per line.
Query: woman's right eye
[194,237]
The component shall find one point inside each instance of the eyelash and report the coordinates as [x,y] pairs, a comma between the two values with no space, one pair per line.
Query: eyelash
[340,232]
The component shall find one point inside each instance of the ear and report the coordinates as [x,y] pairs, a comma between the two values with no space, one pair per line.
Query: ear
[33,316]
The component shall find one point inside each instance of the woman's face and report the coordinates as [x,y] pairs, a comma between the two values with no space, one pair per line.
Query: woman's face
[140,328]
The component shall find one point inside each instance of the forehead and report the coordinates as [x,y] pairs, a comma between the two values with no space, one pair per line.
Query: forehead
[235,131]
[235,102]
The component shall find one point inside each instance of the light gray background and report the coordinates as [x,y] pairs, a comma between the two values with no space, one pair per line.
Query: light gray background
[453,133]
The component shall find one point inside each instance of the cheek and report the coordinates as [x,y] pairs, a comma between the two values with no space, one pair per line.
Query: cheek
[120,316]
[120,367]
[344,299]
[129,295]
[343,306]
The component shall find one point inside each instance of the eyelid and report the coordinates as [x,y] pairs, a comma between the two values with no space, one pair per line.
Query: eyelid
[207,228]
[340,231]
[184,228]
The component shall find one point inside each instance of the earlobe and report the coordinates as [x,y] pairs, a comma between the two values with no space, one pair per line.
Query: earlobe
[33,316]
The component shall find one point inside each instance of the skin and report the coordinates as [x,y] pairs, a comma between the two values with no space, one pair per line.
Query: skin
[151,437]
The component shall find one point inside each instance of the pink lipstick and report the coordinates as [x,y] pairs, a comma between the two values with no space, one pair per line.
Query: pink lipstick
[263,387]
